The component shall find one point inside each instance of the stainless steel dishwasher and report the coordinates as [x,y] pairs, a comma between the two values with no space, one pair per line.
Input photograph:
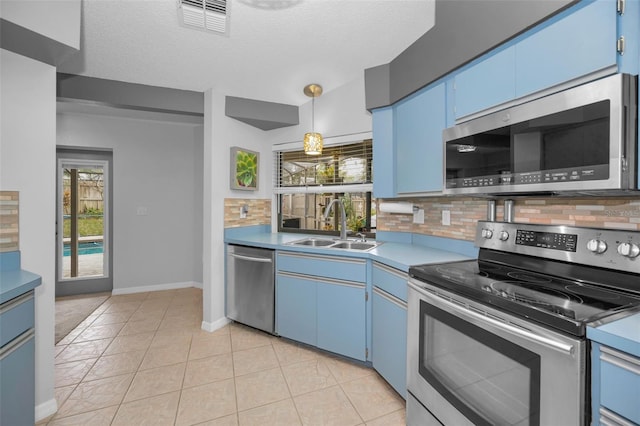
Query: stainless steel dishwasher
[250,286]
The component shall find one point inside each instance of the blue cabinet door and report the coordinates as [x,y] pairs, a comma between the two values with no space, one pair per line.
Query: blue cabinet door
[486,84]
[620,383]
[389,339]
[578,44]
[384,182]
[17,387]
[419,122]
[341,318]
[296,302]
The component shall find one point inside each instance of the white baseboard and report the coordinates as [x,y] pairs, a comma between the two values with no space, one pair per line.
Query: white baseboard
[155,287]
[46,409]
[213,326]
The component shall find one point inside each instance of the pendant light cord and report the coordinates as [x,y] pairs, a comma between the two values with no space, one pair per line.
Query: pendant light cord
[313,114]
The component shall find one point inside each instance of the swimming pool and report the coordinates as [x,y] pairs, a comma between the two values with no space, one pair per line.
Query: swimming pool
[90,247]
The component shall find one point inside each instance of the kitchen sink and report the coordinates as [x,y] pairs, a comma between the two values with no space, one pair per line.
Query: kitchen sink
[335,244]
[313,242]
[354,245]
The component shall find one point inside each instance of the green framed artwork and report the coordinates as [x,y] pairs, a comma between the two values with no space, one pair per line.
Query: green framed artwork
[244,169]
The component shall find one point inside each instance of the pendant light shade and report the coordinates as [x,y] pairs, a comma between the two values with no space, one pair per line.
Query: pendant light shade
[313,141]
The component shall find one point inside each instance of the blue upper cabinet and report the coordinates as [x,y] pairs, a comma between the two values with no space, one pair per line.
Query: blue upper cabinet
[419,122]
[490,82]
[384,182]
[576,45]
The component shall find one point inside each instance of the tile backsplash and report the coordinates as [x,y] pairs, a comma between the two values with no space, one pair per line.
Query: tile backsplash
[9,229]
[618,213]
[259,212]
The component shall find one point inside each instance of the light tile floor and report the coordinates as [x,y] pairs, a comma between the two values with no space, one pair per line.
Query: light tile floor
[142,359]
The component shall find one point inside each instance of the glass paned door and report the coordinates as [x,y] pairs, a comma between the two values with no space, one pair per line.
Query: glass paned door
[83,226]
[83,221]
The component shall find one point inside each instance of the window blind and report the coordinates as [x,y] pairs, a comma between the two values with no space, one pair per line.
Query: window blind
[340,168]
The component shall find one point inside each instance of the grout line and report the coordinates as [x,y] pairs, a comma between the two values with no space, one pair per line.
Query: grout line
[234,330]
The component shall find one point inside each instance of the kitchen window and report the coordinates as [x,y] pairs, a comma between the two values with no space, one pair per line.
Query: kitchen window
[306,184]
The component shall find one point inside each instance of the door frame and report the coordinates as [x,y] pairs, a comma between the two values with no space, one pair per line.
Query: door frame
[89,157]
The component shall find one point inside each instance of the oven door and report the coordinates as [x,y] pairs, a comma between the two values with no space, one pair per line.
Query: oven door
[470,364]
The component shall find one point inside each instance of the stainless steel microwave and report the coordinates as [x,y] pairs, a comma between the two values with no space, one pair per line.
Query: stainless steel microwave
[583,139]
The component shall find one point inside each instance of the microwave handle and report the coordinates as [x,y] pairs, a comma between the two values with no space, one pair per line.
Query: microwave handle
[479,318]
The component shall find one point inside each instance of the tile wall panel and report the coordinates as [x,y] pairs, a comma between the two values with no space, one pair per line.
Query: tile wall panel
[259,212]
[612,213]
[9,225]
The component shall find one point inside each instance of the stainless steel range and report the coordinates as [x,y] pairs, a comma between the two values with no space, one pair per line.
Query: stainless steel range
[501,339]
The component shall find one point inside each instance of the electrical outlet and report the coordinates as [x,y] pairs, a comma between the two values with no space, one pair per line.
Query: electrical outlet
[243,211]
[446,217]
[142,211]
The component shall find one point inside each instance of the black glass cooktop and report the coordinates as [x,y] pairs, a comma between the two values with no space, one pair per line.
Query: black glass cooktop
[562,302]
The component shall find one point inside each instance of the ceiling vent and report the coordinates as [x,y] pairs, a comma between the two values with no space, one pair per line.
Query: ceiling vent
[210,15]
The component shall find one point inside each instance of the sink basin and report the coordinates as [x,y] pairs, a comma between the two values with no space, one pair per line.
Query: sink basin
[354,245]
[313,242]
[335,244]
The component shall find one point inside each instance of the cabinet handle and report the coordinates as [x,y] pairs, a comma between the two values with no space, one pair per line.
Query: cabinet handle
[250,258]
[619,359]
[391,298]
[16,343]
[392,271]
[609,418]
[322,257]
[16,301]
[321,279]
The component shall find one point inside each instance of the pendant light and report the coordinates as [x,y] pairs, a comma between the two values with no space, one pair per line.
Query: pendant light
[313,141]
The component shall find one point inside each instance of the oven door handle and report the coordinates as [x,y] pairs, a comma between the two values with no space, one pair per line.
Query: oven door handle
[478,319]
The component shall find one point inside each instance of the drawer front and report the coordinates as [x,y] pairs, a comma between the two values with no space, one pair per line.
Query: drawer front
[341,268]
[391,280]
[16,317]
[620,382]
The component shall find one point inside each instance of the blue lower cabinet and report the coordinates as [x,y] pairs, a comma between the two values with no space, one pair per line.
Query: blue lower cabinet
[618,374]
[17,381]
[321,301]
[296,302]
[341,318]
[17,361]
[389,339]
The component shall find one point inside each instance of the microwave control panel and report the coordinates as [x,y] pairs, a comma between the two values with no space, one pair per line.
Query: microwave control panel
[528,178]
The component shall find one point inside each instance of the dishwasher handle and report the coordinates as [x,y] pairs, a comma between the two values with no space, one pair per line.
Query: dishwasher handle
[251,258]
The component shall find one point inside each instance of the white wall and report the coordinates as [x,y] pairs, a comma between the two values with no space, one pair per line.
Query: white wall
[27,164]
[220,134]
[58,20]
[339,112]
[156,166]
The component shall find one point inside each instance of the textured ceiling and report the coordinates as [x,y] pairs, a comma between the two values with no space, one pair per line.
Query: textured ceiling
[272,50]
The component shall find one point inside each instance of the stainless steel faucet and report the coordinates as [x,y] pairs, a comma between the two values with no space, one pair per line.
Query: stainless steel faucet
[343,217]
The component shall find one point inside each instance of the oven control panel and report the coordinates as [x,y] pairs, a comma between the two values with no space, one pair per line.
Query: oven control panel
[605,248]
[549,240]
